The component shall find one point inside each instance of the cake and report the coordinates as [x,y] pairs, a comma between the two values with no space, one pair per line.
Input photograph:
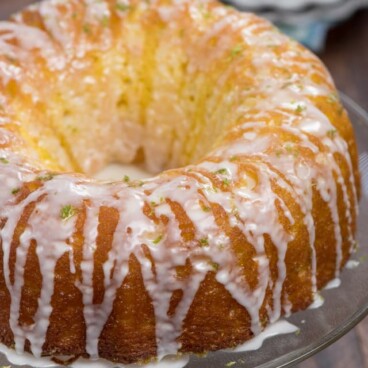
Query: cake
[252,205]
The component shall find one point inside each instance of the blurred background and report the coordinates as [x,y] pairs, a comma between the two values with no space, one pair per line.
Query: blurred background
[337,30]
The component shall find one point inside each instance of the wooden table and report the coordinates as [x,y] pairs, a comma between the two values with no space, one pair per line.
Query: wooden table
[346,56]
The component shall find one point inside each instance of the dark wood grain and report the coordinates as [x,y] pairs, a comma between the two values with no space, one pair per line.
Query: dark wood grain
[346,56]
[8,7]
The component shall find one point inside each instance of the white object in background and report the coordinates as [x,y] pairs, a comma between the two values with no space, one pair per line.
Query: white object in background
[282,4]
[297,12]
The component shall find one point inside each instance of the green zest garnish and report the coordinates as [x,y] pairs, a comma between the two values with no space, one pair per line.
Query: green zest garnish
[299,109]
[355,246]
[237,50]
[204,242]
[15,191]
[122,7]
[205,13]
[126,179]
[135,184]
[226,182]
[86,28]
[105,21]
[222,171]
[46,177]
[332,133]
[205,208]
[289,148]
[158,239]
[4,160]
[333,98]
[67,212]
[215,266]
[278,153]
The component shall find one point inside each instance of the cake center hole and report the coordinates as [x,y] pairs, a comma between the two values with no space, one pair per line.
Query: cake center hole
[117,172]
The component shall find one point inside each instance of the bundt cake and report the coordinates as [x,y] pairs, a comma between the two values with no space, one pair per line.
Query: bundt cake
[254,201]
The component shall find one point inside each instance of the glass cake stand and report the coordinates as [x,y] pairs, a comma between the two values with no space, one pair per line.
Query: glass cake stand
[344,307]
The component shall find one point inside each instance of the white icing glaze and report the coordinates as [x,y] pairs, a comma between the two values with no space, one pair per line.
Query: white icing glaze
[318,302]
[333,284]
[352,264]
[281,327]
[29,360]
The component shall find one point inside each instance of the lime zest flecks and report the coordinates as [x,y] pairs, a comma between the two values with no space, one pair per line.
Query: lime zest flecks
[289,148]
[122,7]
[15,191]
[331,133]
[222,171]
[4,160]
[204,242]
[333,98]
[215,266]
[126,179]
[355,246]
[136,184]
[105,20]
[86,28]
[236,51]
[46,177]
[205,208]
[278,153]
[204,10]
[158,239]
[300,108]
[67,212]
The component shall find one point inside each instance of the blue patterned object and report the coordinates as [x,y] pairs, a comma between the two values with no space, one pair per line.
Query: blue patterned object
[308,21]
[311,35]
